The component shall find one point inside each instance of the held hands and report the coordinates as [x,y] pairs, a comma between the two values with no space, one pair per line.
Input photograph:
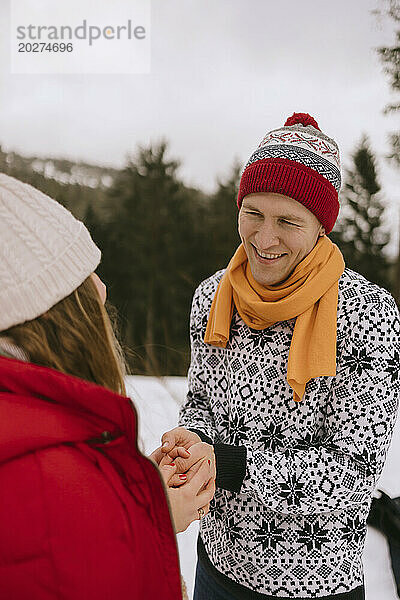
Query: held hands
[190,478]
[186,449]
[186,467]
[179,440]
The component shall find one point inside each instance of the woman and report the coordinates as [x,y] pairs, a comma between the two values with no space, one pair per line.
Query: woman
[83,514]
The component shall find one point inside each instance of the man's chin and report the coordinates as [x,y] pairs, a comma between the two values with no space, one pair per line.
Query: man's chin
[267,279]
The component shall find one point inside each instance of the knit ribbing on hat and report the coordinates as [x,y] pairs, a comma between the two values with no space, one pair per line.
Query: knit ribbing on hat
[296,181]
[298,161]
[45,253]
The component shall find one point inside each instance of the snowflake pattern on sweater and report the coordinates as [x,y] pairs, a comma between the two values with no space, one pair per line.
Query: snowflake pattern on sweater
[297,525]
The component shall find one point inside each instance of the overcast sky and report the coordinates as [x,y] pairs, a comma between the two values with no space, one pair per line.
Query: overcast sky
[223,73]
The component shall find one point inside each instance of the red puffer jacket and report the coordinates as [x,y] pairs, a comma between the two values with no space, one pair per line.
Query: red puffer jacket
[83,515]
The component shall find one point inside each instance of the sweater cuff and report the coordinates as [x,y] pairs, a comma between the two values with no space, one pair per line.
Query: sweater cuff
[202,436]
[230,462]
[231,466]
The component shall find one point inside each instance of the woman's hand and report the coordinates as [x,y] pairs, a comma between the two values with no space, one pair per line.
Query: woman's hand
[185,501]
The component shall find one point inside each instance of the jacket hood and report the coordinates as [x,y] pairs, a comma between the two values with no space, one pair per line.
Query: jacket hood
[41,407]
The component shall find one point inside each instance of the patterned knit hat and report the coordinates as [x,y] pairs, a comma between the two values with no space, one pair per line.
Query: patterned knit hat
[45,253]
[299,161]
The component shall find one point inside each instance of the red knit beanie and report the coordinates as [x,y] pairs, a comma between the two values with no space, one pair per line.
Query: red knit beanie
[299,161]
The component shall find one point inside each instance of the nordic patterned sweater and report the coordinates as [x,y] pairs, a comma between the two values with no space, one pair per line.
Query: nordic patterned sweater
[294,480]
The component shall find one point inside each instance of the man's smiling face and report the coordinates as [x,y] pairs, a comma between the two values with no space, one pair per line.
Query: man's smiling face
[277,232]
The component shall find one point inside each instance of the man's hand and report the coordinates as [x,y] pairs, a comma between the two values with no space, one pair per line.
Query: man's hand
[178,437]
[157,455]
[174,443]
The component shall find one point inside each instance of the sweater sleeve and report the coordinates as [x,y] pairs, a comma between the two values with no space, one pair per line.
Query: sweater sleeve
[195,414]
[340,469]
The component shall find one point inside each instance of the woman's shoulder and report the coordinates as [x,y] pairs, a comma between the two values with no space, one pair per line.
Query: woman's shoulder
[92,514]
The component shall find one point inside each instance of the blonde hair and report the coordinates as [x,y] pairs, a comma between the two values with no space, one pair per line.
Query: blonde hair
[76,336]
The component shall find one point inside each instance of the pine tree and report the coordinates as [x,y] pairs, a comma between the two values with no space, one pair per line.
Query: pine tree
[223,216]
[153,242]
[390,57]
[360,233]
[3,161]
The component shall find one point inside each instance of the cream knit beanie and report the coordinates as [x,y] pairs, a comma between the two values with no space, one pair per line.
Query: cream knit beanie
[45,253]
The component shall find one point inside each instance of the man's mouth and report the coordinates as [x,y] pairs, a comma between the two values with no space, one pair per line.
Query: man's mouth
[267,257]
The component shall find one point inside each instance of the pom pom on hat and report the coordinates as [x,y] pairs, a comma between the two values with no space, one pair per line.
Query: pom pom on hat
[302,119]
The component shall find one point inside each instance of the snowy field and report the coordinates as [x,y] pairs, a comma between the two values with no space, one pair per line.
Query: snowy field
[157,402]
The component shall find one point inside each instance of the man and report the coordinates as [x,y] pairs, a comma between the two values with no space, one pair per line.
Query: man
[294,382]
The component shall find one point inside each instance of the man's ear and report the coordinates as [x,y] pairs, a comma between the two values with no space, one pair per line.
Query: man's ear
[321,232]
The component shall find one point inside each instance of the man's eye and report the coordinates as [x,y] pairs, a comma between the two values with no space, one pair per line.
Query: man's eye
[288,222]
[252,212]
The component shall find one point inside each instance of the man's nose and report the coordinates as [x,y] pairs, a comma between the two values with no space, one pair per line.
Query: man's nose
[266,237]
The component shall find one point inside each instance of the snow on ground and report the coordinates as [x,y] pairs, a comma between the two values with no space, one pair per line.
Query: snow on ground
[158,401]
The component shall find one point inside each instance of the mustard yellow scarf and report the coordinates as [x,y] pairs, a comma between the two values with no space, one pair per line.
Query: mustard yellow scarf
[310,293]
